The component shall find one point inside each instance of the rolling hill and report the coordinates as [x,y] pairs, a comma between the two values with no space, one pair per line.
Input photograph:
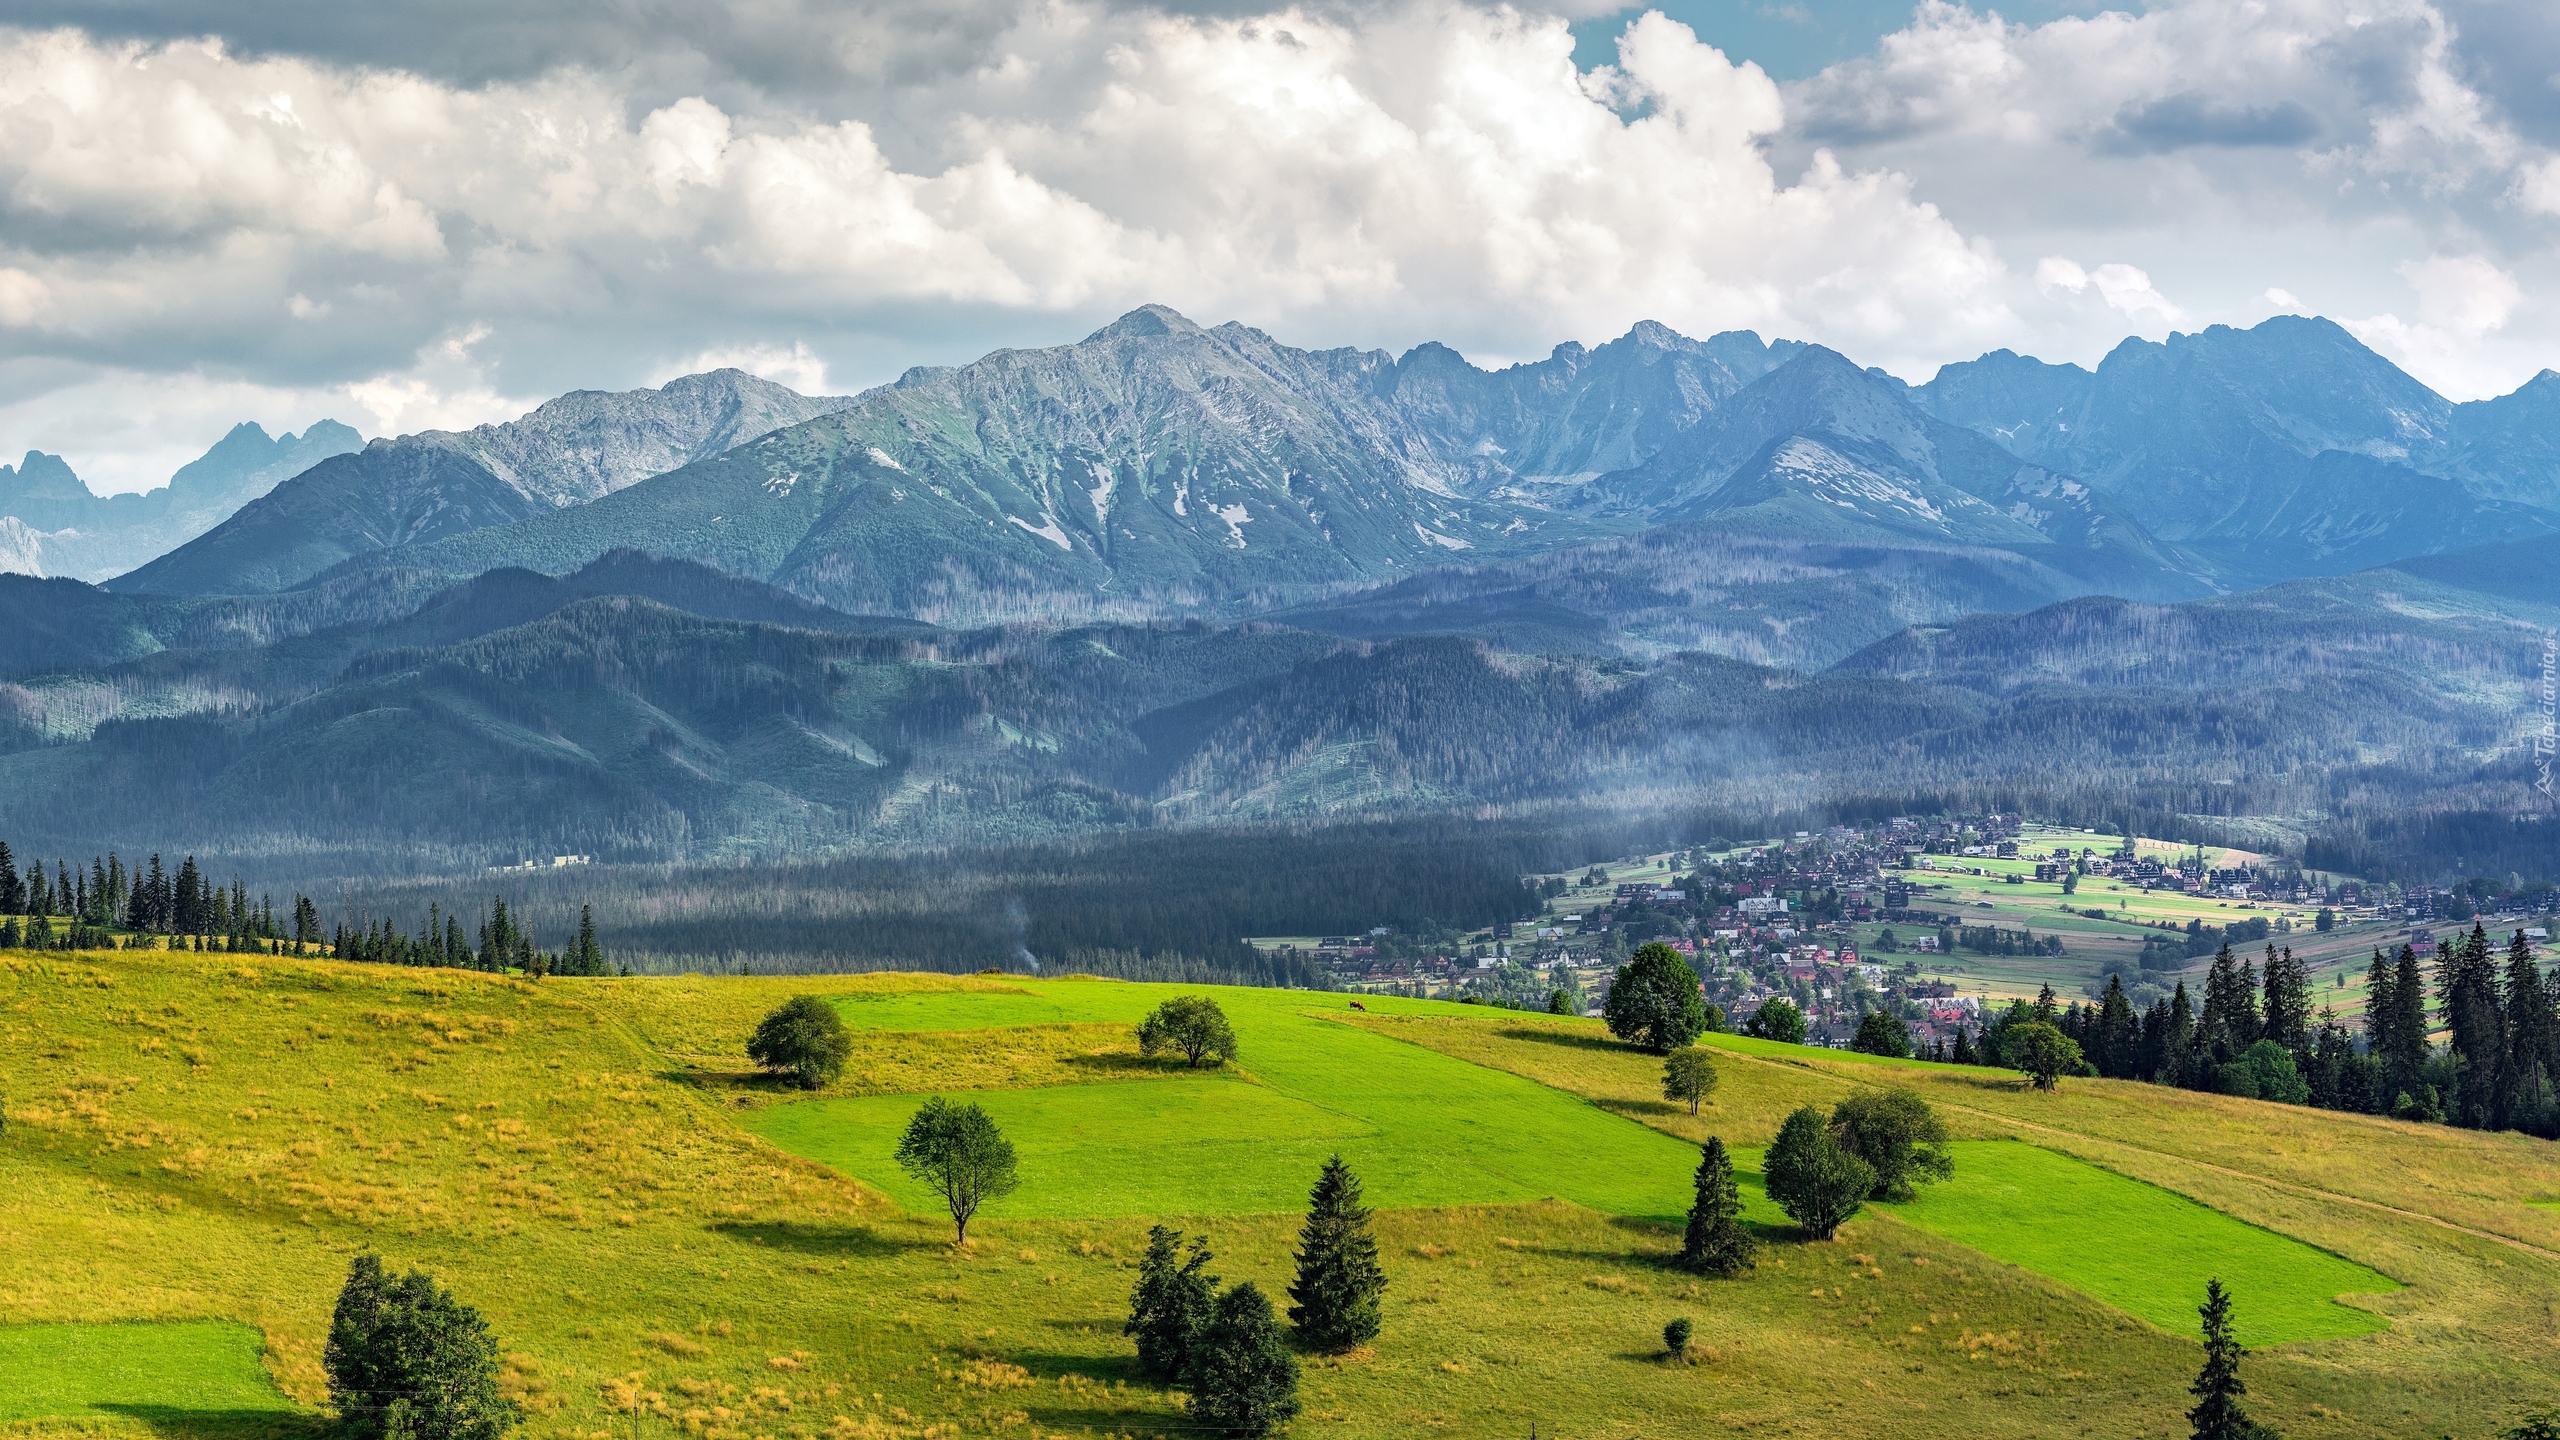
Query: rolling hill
[648,1224]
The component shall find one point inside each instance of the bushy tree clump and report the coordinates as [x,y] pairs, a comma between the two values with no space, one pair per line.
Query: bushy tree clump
[1812,1178]
[408,1361]
[1899,1137]
[1654,1000]
[1192,1024]
[803,1038]
[1172,1303]
[1777,1019]
[1243,1380]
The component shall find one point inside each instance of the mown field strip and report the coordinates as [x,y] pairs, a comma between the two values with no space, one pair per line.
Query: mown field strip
[188,1370]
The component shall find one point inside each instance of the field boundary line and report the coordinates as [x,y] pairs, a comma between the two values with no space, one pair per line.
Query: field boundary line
[2297,1187]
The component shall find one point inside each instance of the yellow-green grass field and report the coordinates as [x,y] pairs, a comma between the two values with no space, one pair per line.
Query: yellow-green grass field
[201,1138]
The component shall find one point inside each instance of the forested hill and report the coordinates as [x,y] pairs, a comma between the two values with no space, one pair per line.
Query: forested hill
[517,715]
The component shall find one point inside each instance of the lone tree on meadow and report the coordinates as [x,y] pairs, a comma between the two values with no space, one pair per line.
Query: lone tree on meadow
[1339,1281]
[2217,1414]
[1812,1178]
[1882,1033]
[1898,1136]
[1242,1378]
[957,1150]
[1687,1074]
[1171,1305]
[1654,1000]
[803,1038]
[407,1361]
[1192,1024]
[2043,1051]
[1715,1242]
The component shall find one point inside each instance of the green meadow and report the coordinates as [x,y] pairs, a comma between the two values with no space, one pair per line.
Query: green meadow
[142,1371]
[196,1146]
[1420,1128]
[2145,1250]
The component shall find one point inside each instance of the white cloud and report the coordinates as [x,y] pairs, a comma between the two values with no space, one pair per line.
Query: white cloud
[2212,148]
[794,365]
[2124,288]
[2465,294]
[2461,300]
[1433,170]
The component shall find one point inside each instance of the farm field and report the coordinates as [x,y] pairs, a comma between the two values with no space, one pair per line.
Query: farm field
[1421,1128]
[2037,1208]
[138,1371]
[196,1138]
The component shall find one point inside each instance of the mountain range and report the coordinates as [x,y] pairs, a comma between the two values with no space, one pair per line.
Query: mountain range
[1160,467]
[1185,574]
[419,488]
[62,528]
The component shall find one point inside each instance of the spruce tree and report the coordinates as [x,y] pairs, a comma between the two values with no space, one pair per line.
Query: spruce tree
[2405,1064]
[2217,1414]
[2179,1045]
[1963,1053]
[1171,1304]
[2527,1102]
[1339,1282]
[1716,1243]
[2115,1041]
[2468,985]
[2288,1002]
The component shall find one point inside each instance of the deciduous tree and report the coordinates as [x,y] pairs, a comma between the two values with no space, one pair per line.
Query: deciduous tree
[1812,1178]
[408,1361]
[1654,1000]
[803,1038]
[1777,1019]
[1902,1140]
[2043,1052]
[957,1150]
[1192,1024]
[1688,1074]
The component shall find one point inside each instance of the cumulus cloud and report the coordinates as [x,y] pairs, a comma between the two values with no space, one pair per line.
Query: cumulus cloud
[2226,153]
[1431,171]
[436,214]
[2461,300]
[2122,288]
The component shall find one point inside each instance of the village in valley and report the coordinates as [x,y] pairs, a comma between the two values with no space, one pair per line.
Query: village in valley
[1932,920]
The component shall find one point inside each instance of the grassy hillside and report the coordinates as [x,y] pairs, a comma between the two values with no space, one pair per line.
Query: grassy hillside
[199,1138]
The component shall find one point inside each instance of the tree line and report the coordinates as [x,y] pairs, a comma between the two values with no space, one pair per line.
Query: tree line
[2255,1035]
[499,943]
[96,902]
